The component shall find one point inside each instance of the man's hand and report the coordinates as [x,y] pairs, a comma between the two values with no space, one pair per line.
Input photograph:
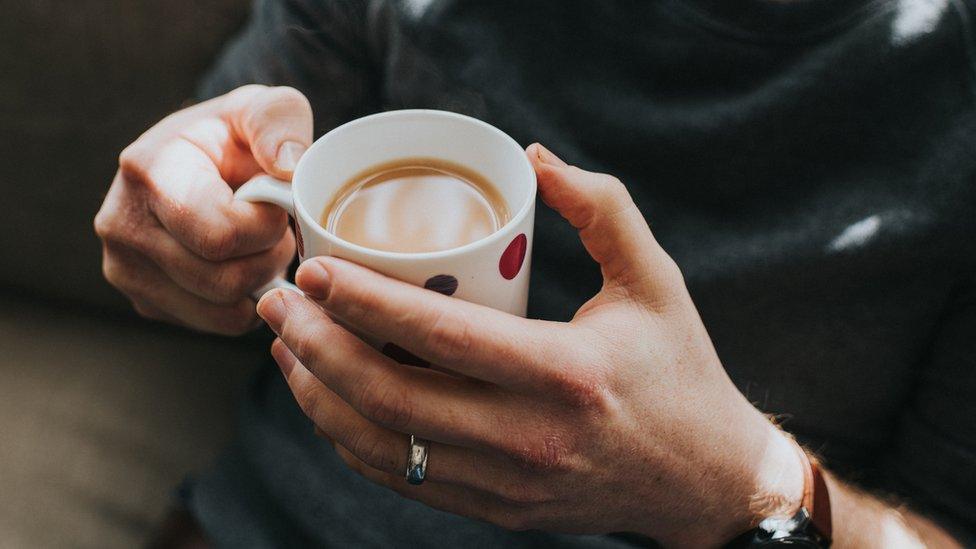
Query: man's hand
[174,239]
[621,420]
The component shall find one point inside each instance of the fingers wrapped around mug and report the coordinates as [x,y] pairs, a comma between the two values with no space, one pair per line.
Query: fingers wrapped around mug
[380,453]
[415,400]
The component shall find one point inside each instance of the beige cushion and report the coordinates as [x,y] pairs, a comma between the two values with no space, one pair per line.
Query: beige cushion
[101,419]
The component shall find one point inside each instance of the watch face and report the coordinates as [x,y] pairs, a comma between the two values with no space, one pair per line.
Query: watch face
[793,531]
[798,542]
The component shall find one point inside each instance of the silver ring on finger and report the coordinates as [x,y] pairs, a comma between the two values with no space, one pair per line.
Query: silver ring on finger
[417,460]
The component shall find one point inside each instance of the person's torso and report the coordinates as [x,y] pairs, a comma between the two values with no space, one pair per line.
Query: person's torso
[810,168]
[809,165]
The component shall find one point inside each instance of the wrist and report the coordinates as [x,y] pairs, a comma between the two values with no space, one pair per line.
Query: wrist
[780,478]
[757,473]
[774,484]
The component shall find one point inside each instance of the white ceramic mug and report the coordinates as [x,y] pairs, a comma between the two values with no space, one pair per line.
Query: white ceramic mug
[492,271]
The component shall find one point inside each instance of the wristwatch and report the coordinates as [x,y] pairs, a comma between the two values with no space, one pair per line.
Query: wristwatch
[810,527]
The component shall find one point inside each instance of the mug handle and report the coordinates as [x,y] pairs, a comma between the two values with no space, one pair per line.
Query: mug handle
[264,188]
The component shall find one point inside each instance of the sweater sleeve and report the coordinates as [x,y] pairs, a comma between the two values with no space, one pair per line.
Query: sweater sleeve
[330,50]
[932,462]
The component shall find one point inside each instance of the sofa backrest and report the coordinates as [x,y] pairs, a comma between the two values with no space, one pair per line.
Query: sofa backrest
[79,81]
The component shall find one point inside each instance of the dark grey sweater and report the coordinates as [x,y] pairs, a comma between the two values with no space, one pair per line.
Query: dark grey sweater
[811,166]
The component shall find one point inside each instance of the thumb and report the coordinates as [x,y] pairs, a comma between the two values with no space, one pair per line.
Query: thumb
[276,123]
[612,228]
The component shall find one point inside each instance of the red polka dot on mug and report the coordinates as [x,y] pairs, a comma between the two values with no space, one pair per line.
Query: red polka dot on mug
[513,257]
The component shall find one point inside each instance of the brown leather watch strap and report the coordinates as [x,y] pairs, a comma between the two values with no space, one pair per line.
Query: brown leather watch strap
[816,498]
[820,507]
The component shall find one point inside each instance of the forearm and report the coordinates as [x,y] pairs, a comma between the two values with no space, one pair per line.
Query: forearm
[862,520]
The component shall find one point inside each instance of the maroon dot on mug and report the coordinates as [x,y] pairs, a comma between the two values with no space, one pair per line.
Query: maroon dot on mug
[512,258]
[442,284]
[404,356]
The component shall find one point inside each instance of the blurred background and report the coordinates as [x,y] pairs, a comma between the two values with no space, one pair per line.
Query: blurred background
[98,422]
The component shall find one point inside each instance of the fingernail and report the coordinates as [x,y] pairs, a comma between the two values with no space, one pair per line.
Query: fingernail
[273,309]
[313,278]
[547,157]
[288,154]
[284,357]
